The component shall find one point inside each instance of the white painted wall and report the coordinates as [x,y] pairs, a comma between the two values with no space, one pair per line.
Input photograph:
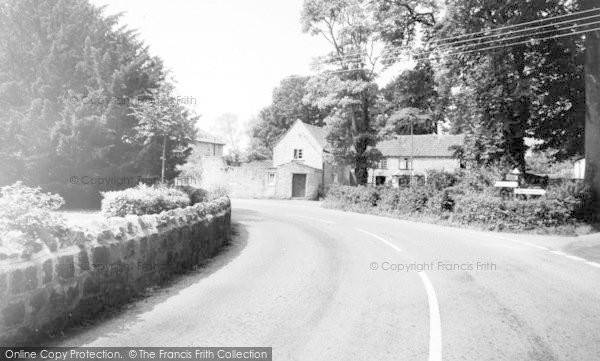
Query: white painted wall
[421,166]
[298,137]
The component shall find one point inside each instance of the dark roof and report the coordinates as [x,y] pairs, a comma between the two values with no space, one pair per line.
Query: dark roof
[319,133]
[205,137]
[425,145]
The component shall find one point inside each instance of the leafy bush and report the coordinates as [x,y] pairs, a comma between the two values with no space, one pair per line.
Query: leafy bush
[196,195]
[413,200]
[439,180]
[27,218]
[441,203]
[386,199]
[496,213]
[389,199]
[477,181]
[142,199]
[216,192]
[353,198]
[574,195]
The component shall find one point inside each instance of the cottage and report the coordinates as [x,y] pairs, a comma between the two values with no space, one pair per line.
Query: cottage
[301,168]
[413,155]
[208,146]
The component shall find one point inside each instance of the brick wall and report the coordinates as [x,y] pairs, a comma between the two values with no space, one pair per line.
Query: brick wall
[106,267]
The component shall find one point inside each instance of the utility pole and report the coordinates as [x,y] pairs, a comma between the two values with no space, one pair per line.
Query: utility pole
[412,151]
[164,159]
[592,114]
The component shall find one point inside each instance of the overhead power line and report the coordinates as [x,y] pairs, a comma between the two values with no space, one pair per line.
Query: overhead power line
[517,43]
[398,50]
[511,40]
[531,37]
[520,24]
[418,55]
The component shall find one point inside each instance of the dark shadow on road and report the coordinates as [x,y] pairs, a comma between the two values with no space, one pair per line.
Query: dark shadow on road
[128,314]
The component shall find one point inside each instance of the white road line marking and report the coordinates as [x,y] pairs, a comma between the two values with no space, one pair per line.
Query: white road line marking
[536,246]
[558,253]
[435,323]
[381,239]
[593,264]
[574,257]
[314,219]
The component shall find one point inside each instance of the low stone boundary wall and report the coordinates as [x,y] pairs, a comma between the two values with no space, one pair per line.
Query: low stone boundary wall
[105,267]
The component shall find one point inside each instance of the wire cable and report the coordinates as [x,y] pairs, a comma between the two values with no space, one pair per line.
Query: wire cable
[386,56]
[483,49]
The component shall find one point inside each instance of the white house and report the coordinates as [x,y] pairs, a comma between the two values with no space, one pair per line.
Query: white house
[427,151]
[303,143]
[302,168]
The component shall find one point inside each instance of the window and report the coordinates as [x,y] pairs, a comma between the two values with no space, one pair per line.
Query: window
[383,164]
[404,163]
[297,153]
[271,178]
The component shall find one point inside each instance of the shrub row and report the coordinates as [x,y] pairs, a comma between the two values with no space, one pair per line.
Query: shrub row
[468,199]
[142,199]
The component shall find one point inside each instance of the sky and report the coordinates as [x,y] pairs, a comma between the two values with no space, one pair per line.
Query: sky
[226,54]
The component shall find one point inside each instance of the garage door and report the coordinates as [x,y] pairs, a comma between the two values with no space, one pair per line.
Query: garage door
[298,185]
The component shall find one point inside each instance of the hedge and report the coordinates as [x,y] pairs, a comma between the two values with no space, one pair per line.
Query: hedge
[468,199]
[142,199]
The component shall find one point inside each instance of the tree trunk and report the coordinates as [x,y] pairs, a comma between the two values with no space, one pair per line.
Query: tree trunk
[164,159]
[592,114]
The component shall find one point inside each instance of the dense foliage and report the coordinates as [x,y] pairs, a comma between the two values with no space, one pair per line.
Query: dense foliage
[28,222]
[468,198]
[69,77]
[143,200]
[502,95]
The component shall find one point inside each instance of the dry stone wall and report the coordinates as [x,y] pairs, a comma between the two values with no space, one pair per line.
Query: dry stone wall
[106,267]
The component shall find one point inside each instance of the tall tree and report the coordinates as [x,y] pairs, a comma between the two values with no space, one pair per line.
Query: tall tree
[286,107]
[227,126]
[592,115]
[162,120]
[411,98]
[68,75]
[520,90]
[356,29]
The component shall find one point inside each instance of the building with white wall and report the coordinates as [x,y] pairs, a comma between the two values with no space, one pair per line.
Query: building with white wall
[406,155]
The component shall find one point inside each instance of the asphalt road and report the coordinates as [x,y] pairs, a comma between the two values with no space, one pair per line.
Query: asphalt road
[318,284]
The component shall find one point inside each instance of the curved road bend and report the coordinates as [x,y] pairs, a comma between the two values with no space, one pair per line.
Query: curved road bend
[302,279]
